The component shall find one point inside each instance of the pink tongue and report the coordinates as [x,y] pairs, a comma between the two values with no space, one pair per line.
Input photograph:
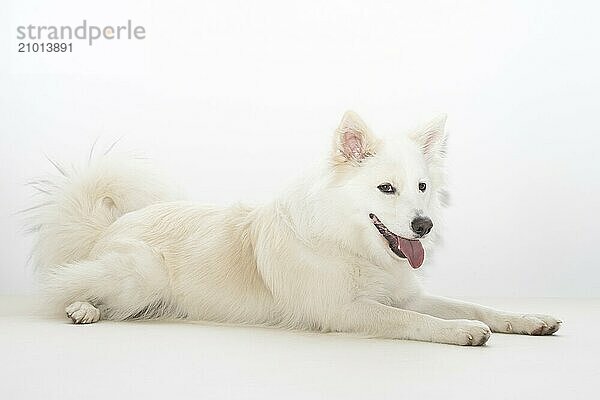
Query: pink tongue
[413,250]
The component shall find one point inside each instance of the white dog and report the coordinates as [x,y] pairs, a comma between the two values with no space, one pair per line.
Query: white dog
[335,253]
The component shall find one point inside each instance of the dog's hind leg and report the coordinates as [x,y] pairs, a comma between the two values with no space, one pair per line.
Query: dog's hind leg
[82,312]
[129,280]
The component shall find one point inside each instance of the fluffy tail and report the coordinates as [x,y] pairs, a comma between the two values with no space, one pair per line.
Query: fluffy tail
[79,204]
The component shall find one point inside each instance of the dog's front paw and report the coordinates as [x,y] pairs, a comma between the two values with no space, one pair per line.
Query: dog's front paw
[466,333]
[532,324]
[82,312]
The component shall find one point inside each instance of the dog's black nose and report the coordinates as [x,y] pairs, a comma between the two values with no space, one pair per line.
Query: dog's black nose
[421,226]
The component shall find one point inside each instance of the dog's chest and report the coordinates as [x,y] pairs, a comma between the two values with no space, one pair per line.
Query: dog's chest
[385,285]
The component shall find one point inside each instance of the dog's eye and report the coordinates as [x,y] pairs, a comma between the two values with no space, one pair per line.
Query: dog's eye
[422,186]
[387,188]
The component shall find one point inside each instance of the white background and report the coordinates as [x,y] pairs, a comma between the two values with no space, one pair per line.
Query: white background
[235,98]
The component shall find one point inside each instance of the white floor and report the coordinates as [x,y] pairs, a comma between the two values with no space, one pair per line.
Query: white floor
[42,358]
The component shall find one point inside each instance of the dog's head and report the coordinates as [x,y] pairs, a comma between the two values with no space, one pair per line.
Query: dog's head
[388,191]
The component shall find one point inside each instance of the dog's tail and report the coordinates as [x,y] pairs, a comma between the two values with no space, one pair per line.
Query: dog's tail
[80,203]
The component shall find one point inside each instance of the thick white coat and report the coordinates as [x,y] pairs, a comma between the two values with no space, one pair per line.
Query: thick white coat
[112,244]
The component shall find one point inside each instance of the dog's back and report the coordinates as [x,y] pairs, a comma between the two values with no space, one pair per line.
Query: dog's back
[109,234]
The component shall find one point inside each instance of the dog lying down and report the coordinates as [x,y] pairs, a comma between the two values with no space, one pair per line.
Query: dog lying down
[336,252]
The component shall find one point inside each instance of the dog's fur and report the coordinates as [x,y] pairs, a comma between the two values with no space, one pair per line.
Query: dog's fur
[112,245]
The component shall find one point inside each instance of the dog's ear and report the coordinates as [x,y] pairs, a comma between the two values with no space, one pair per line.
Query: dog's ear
[432,138]
[352,142]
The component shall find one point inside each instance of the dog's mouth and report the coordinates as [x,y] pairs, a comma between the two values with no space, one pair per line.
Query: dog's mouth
[410,249]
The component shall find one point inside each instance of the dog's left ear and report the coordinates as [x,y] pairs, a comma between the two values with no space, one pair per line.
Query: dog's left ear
[432,138]
[352,142]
